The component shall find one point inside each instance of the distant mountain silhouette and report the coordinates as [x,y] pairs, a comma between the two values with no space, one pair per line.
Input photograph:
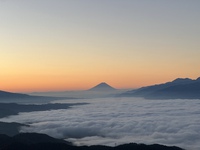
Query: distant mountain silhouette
[35,141]
[7,96]
[181,88]
[102,87]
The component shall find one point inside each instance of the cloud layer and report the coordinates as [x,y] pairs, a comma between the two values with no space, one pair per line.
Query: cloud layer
[121,120]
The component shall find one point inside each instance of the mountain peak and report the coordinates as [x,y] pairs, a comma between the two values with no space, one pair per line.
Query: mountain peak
[198,79]
[182,80]
[103,86]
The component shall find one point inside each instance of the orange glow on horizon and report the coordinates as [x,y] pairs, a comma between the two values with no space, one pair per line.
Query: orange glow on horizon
[46,83]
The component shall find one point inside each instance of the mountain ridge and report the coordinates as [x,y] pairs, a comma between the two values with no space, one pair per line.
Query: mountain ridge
[180,88]
[5,94]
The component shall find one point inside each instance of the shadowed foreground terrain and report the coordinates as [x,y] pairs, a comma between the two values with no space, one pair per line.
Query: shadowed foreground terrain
[10,129]
[7,109]
[35,141]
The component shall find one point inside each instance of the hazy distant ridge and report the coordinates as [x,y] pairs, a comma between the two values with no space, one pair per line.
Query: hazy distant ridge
[17,97]
[4,94]
[100,90]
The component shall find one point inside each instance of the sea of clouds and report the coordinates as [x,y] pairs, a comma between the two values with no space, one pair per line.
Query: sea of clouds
[114,121]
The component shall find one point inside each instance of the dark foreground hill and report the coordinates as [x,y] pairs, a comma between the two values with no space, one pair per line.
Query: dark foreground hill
[7,109]
[11,128]
[177,89]
[34,141]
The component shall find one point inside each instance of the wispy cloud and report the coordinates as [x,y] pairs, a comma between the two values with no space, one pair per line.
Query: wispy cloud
[116,121]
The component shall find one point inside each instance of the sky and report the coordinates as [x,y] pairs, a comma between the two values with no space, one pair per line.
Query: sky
[53,45]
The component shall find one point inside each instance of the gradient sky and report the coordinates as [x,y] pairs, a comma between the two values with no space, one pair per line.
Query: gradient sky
[50,45]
